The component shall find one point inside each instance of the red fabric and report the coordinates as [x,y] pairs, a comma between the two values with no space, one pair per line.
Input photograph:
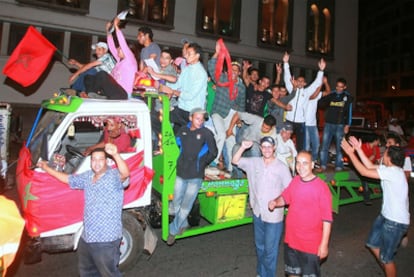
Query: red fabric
[224,55]
[49,204]
[30,58]
[310,203]
[373,152]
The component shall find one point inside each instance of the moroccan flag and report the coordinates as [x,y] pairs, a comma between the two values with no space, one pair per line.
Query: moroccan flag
[30,58]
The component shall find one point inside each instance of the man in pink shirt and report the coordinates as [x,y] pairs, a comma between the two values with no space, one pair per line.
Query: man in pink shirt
[309,219]
[118,84]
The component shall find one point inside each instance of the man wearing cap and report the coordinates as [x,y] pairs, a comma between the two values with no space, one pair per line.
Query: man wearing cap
[267,177]
[104,62]
[286,151]
[197,150]
[114,133]
[224,106]
[119,84]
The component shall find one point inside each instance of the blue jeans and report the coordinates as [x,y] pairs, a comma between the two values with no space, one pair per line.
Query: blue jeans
[329,132]
[267,239]
[79,84]
[185,193]
[312,141]
[386,235]
[99,258]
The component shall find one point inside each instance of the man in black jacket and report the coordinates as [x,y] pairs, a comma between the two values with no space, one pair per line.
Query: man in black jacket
[197,150]
[338,116]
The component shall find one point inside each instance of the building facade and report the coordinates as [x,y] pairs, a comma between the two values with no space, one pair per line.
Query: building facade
[260,31]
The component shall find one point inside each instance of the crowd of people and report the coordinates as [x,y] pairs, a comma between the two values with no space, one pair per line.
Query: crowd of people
[263,130]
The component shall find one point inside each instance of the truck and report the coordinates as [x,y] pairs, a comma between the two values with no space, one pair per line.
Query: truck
[66,125]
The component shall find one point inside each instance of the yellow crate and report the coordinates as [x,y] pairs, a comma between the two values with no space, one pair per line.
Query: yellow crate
[223,208]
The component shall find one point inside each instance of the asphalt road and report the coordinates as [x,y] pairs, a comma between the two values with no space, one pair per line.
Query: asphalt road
[231,252]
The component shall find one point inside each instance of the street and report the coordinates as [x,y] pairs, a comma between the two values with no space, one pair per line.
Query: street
[231,253]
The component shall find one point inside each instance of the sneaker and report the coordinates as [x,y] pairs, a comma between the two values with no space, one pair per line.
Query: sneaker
[170,240]
[68,91]
[338,168]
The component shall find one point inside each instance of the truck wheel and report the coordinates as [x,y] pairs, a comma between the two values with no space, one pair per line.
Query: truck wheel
[132,243]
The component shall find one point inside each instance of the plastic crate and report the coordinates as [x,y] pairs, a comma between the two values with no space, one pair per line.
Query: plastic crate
[223,208]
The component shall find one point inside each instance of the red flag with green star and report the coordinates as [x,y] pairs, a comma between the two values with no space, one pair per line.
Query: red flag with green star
[30,58]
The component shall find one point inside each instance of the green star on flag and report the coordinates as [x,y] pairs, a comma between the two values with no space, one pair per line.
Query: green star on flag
[27,195]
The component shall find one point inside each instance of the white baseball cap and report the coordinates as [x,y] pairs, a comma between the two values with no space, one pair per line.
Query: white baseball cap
[100,45]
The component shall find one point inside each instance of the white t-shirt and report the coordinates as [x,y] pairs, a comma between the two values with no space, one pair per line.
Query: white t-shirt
[310,111]
[395,205]
[286,151]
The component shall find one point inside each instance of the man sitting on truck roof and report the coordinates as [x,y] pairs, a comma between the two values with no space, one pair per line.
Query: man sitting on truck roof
[114,133]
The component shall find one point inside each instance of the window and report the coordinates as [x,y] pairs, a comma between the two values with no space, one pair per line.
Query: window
[159,13]
[275,23]
[219,18]
[75,6]
[17,32]
[56,37]
[320,26]
[80,48]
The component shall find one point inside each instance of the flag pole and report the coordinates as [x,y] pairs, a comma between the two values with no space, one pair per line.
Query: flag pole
[63,56]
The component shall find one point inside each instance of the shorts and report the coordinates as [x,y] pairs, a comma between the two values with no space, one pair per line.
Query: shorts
[301,263]
[386,235]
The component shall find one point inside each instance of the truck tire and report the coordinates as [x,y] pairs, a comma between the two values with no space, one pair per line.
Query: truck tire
[132,244]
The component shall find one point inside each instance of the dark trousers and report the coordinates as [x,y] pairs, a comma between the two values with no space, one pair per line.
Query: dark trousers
[104,84]
[299,131]
[99,259]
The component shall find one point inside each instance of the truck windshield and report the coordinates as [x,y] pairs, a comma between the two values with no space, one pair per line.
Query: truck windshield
[47,125]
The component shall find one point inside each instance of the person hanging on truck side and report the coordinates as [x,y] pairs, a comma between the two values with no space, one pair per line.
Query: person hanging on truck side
[197,150]
[98,250]
[190,88]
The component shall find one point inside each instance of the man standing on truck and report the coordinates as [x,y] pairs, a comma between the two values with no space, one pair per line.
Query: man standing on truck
[338,117]
[197,150]
[190,88]
[98,251]
[268,177]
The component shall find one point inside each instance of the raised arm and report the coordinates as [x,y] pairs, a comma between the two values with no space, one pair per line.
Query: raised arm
[278,67]
[364,171]
[246,144]
[123,169]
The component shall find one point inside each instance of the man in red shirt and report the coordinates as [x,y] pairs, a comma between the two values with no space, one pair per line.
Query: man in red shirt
[372,151]
[309,219]
[114,133]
